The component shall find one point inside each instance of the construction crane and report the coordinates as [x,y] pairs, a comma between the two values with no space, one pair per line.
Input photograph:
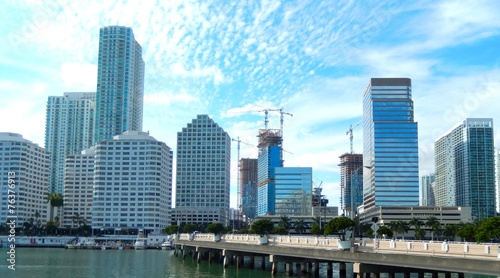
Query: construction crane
[349,132]
[266,111]
[238,192]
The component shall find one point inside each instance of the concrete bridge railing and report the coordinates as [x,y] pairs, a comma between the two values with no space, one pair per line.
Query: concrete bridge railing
[488,251]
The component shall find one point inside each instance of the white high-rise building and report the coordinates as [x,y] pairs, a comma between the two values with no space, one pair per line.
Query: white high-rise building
[26,164]
[78,189]
[132,183]
[120,83]
[203,173]
[465,167]
[498,181]
[69,129]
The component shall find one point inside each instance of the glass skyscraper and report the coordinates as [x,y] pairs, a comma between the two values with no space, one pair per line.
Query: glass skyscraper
[120,83]
[269,158]
[390,142]
[465,167]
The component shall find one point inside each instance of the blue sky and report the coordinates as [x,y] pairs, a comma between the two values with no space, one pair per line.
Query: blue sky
[229,59]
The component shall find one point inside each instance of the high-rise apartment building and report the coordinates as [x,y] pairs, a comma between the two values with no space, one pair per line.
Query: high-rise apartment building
[269,157]
[203,173]
[132,183]
[465,167]
[390,144]
[293,191]
[428,184]
[351,182]
[69,129]
[248,183]
[120,83]
[24,174]
[78,189]
[498,180]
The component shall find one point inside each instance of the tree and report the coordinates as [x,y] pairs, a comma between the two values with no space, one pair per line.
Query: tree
[467,232]
[285,222]
[434,225]
[262,227]
[189,228]
[339,226]
[385,231]
[417,224]
[450,230]
[55,199]
[279,231]
[488,229]
[300,226]
[170,230]
[315,230]
[419,233]
[399,227]
[216,228]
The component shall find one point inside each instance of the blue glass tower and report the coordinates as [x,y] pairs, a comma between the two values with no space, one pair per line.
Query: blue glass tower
[293,191]
[270,157]
[390,144]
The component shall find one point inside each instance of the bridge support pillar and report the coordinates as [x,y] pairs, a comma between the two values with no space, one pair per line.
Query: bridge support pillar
[288,268]
[434,275]
[252,261]
[303,267]
[421,275]
[406,275]
[375,275]
[274,268]
[342,270]
[210,257]
[391,275]
[329,270]
[240,261]
[198,259]
[263,263]
[461,275]
[316,269]
[184,253]
[447,275]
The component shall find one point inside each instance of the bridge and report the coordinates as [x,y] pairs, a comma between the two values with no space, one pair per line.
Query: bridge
[369,257]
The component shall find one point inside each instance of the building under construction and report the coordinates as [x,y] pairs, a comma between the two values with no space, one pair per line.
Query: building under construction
[351,174]
[248,187]
[270,157]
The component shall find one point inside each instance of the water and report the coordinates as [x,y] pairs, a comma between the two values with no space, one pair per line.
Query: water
[59,263]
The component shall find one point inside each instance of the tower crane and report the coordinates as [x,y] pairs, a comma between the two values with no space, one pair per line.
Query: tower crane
[238,192]
[349,132]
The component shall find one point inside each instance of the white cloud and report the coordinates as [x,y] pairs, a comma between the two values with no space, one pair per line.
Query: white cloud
[79,77]
[168,98]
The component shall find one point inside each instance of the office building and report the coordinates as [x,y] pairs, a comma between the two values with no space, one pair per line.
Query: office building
[132,183]
[78,189]
[465,167]
[269,157]
[120,83]
[428,184]
[24,166]
[203,173]
[248,183]
[69,129]
[293,191]
[351,182]
[498,180]
[390,144]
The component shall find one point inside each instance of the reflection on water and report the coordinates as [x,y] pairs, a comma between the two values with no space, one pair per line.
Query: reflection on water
[59,263]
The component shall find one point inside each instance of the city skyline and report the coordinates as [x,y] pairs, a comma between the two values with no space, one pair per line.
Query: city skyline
[314,59]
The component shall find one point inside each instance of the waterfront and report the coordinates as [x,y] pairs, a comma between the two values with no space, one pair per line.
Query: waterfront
[59,263]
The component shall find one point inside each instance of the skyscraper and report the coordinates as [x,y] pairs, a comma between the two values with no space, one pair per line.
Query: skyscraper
[203,172]
[132,183]
[498,179]
[248,182]
[26,164]
[428,185]
[351,181]
[390,144]
[120,83]
[69,129]
[269,158]
[465,167]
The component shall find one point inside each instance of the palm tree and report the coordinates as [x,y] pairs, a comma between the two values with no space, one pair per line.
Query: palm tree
[398,227]
[300,226]
[419,233]
[450,230]
[285,223]
[417,224]
[433,224]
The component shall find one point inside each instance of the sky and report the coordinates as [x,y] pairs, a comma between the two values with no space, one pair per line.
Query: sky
[234,59]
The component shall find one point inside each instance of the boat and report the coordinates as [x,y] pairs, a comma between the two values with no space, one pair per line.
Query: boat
[167,245]
[140,241]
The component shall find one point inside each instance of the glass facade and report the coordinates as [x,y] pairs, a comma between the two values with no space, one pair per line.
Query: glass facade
[293,191]
[465,167]
[390,139]
[269,158]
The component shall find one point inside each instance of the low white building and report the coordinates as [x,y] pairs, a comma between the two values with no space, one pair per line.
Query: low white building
[27,166]
[132,183]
